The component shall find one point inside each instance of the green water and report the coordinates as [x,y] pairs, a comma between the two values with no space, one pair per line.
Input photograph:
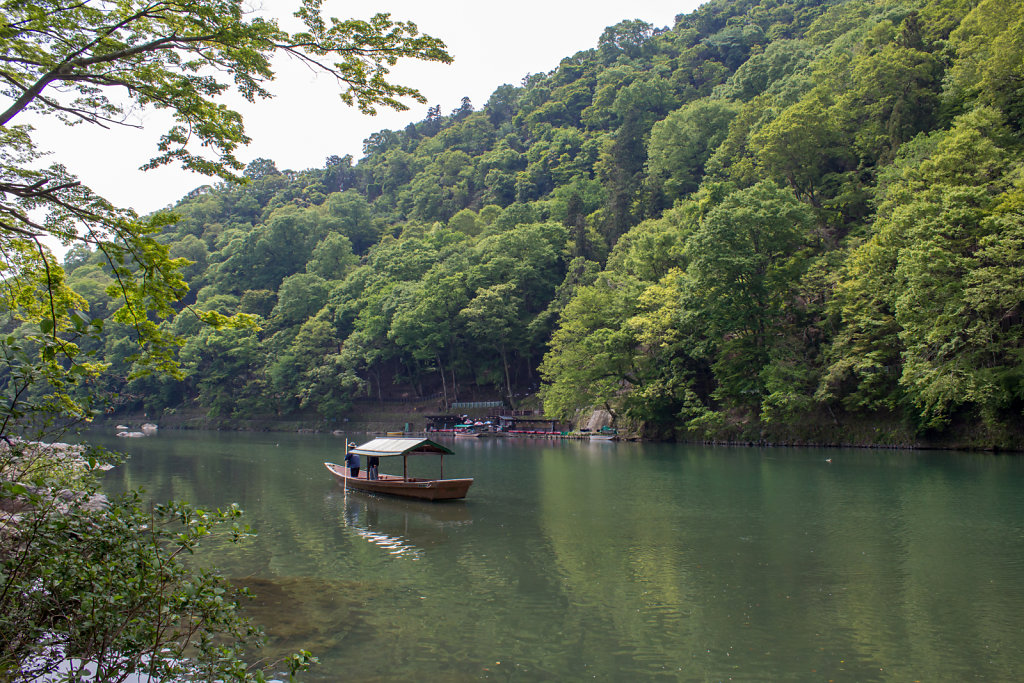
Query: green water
[622,562]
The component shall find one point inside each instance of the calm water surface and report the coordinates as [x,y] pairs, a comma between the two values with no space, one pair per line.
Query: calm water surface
[621,562]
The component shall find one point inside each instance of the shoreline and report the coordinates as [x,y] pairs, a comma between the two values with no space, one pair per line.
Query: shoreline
[813,430]
[383,426]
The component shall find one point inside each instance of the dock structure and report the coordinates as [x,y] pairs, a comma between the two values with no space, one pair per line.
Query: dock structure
[526,433]
[509,424]
[440,423]
[518,424]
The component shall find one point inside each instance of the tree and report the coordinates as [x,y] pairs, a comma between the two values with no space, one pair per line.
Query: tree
[493,320]
[332,259]
[682,142]
[625,38]
[990,46]
[63,60]
[893,96]
[592,350]
[530,256]
[338,173]
[804,146]
[260,168]
[465,221]
[958,296]
[766,69]
[324,384]
[122,566]
[258,262]
[501,105]
[194,250]
[744,257]
[154,50]
[464,109]
[300,297]
[97,63]
[620,170]
[427,326]
[671,375]
[432,124]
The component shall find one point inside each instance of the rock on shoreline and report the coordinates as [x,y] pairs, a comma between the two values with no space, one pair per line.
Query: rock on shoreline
[19,458]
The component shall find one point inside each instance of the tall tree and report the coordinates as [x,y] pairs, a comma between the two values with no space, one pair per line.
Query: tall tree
[591,361]
[493,320]
[620,170]
[744,257]
[681,144]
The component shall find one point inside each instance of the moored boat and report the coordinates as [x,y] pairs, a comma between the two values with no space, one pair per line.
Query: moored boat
[475,430]
[606,434]
[409,487]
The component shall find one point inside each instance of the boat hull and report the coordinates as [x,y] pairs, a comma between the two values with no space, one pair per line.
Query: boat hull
[423,489]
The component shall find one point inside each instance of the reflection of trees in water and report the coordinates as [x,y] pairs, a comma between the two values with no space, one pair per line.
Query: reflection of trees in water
[729,558]
[309,614]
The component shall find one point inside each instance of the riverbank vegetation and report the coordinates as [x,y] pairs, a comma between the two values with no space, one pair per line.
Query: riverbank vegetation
[768,219]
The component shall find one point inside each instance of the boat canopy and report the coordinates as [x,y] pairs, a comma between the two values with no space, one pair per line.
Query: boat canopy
[400,446]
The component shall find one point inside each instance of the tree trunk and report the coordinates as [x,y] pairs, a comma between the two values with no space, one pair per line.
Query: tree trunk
[455,386]
[508,381]
[444,382]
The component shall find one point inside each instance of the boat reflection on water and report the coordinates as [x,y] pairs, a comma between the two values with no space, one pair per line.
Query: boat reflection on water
[401,527]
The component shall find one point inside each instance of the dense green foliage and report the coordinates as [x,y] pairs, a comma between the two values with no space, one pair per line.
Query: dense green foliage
[771,212]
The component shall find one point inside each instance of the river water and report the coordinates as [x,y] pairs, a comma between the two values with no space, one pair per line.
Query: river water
[620,562]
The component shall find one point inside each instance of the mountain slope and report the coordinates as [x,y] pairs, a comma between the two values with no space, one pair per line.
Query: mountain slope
[771,219]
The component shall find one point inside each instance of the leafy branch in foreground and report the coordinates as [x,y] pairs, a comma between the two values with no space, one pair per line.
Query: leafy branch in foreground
[62,59]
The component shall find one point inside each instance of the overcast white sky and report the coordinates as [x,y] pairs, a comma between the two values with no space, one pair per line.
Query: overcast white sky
[492,43]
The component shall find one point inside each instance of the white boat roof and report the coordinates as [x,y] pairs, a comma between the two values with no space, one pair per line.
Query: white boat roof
[400,446]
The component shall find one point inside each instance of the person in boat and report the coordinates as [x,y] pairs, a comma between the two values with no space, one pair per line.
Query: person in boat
[372,464]
[352,461]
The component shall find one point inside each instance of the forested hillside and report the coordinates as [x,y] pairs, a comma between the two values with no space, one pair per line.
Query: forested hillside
[770,218]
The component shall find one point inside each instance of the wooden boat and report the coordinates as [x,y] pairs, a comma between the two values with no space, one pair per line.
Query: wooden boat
[606,434]
[469,430]
[410,487]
